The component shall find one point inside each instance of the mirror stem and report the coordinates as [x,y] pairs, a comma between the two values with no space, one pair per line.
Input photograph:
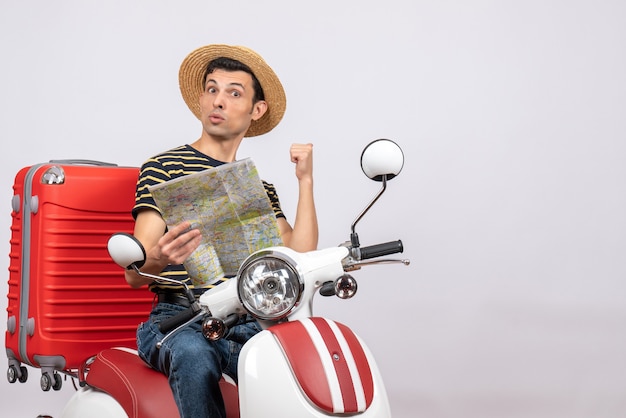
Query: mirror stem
[354,238]
[162,279]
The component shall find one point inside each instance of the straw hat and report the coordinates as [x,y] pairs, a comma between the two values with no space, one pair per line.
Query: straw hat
[194,65]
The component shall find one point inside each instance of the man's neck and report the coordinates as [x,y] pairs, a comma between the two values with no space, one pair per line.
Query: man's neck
[219,149]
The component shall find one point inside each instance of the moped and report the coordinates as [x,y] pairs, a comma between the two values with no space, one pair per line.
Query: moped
[299,365]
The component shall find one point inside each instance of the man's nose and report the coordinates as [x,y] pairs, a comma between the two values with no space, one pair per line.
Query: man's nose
[219,101]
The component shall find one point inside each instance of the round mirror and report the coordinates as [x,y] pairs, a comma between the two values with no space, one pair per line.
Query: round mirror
[382,157]
[126,250]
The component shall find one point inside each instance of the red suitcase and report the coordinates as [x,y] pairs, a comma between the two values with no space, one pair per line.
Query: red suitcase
[67,300]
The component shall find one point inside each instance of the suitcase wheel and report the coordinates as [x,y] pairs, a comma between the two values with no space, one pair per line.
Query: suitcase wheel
[13,374]
[48,381]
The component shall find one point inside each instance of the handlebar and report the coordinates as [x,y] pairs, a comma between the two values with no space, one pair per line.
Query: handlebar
[169,324]
[378,250]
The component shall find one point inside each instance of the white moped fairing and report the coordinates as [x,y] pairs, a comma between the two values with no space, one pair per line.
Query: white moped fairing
[93,403]
[312,367]
[301,276]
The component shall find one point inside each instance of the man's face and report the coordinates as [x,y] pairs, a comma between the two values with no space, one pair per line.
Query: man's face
[226,108]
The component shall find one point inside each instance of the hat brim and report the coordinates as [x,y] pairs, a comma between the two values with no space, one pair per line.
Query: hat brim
[194,65]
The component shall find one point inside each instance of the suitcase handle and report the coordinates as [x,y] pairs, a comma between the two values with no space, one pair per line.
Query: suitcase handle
[84,162]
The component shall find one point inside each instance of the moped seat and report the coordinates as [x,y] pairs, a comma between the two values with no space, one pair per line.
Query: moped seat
[142,391]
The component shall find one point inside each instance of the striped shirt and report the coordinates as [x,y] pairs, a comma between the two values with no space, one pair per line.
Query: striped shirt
[171,164]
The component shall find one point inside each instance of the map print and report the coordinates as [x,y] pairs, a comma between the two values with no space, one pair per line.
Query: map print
[229,205]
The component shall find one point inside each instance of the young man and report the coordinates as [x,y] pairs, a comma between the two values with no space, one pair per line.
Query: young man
[234,94]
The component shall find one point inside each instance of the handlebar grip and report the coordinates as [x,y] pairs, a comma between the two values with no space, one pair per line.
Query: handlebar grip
[378,250]
[170,323]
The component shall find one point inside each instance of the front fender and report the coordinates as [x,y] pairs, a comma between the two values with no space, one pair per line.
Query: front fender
[312,367]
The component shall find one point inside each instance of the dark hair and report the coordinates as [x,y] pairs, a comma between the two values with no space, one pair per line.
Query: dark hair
[229,64]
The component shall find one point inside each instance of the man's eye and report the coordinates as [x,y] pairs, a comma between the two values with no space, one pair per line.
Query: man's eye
[210,89]
[236,94]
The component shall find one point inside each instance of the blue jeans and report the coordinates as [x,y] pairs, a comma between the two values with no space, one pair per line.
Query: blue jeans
[193,365]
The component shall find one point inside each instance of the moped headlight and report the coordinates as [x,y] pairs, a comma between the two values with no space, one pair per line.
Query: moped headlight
[269,286]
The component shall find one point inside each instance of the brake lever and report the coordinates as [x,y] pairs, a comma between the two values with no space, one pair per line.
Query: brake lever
[356,265]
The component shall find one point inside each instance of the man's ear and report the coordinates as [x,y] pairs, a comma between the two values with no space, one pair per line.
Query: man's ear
[259,109]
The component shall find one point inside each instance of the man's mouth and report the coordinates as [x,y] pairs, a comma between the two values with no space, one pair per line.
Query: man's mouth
[216,117]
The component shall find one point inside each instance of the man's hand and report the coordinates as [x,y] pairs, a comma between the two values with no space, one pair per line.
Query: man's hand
[303,236]
[302,155]
[161,249]
[177,244]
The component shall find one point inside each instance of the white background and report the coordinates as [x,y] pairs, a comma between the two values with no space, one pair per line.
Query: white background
[511,204]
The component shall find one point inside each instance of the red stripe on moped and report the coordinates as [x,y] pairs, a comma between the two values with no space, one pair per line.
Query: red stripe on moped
[305,362]
[339,362]
[328,363]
